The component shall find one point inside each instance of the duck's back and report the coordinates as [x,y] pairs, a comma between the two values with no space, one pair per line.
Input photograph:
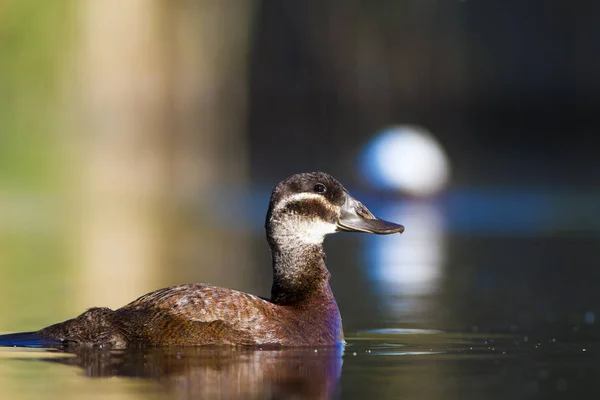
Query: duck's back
[194,314]
[198,314]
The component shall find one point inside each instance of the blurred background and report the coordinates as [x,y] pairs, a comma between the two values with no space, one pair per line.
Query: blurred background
[140,140]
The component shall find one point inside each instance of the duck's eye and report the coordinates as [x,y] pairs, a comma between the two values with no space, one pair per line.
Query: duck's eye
[319,188]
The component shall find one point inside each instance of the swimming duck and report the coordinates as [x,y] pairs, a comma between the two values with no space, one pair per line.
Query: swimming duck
[300,312]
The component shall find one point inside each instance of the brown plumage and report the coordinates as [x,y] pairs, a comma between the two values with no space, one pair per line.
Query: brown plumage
[301,311]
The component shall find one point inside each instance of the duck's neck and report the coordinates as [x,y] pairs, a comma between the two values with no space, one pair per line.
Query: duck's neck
[299,272]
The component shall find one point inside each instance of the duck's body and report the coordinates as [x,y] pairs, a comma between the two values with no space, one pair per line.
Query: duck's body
[301,311]
[200,314]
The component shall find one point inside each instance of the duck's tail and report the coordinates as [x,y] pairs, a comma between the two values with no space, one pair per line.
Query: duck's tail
[27,339]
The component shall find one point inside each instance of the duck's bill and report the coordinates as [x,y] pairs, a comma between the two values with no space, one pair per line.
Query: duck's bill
[355,217]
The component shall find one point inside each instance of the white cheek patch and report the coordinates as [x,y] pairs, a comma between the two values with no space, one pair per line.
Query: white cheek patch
[314,231]
[295,229]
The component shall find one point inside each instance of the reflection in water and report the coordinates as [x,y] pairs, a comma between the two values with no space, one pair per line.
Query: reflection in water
[379,364]
[407,271]
[221,372]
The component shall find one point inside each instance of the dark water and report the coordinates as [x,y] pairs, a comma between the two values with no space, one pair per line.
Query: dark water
[389,364]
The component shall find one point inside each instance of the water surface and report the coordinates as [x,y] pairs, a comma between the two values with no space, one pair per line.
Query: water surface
[390,364]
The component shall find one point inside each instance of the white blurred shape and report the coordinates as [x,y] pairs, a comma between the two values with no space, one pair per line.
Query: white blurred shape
[407,158]
[412,265]
[407,271]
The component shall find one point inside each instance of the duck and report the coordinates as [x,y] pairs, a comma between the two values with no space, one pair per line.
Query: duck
[301,310]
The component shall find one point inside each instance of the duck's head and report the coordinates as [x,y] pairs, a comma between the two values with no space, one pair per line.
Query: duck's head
[306,207]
